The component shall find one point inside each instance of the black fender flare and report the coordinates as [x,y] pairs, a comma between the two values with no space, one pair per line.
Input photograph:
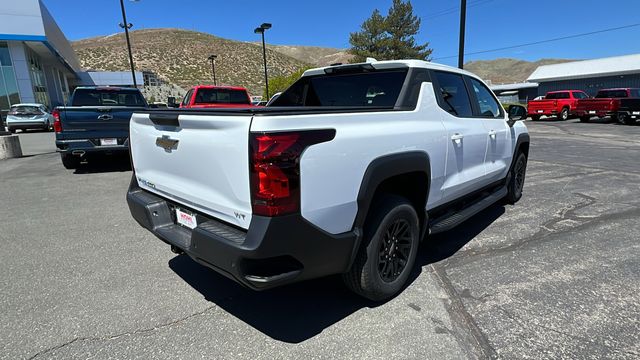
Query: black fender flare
[381,169]
[523,138]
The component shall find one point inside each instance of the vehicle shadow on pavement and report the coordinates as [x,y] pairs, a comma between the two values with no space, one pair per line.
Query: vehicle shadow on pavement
[442,246]
[297,312]
[292,313]
[104,165]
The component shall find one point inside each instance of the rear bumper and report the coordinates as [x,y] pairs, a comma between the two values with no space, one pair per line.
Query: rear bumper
[90,145]
[26,124]
[544,112]
[272,252]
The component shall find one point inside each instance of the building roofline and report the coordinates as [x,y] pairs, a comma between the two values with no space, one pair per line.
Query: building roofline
[19,37]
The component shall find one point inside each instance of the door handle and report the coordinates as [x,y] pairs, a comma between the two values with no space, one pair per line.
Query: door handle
[457,138]
[492,134]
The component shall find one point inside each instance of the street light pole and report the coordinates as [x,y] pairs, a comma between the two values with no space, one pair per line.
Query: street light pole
[261,30]
[463,20]
[126,26]
[213,67]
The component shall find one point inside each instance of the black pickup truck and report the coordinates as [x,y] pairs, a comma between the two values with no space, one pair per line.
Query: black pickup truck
[629,111]
[96,122]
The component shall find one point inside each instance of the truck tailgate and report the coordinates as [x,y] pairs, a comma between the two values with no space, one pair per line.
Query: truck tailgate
[89,118]
[596,105]
[203,163]
[541,105]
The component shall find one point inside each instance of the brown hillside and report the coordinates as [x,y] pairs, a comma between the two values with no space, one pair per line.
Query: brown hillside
[180,57]
[501,71]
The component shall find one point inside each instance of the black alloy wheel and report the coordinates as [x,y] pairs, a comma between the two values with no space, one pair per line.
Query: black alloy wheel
[394,251]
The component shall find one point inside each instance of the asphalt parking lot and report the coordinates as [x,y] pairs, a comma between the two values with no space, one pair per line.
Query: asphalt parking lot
[555,276]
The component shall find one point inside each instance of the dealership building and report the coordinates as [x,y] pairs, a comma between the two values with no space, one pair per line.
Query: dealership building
[589,75]
[37,62]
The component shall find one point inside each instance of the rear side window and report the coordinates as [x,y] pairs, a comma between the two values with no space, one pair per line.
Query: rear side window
[558,95]
[611,94]
[453,94]
[580,95]
[375,89]
[635,93]
[221,96]
[98,97]
[487,104]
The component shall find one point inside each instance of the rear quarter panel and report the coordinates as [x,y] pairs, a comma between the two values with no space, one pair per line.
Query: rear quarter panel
[332,172]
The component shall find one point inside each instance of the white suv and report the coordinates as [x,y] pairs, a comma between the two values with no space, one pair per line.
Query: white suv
[344,173]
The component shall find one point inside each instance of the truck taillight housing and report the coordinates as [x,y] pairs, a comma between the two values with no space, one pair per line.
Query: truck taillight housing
[275,169]
[57,125]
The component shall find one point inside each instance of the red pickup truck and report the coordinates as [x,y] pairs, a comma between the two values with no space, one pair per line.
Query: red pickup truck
[606,103]
[208,96]
[561,104]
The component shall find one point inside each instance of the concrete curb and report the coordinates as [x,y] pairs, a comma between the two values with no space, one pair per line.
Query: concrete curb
[10,147]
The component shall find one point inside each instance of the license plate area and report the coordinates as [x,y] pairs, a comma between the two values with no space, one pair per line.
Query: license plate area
[186,218]
[592,111]
[540,111]
[108,142]
[636,113]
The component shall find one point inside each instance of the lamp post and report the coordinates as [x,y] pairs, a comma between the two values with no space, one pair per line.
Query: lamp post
[260,30]
[126,26]
[213,67]
[463,19]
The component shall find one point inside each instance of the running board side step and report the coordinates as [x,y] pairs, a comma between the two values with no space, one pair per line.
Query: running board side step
[445,223]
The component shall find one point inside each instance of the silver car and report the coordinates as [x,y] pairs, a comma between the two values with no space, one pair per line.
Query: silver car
[29,116]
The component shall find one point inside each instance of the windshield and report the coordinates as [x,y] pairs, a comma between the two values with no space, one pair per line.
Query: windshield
[107,97]
[25,110]
[558,95]
[609,94]
[222,96]
[375,89]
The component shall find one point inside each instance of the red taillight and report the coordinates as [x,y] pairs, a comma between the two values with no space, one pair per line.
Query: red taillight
[275,169]
[57,125]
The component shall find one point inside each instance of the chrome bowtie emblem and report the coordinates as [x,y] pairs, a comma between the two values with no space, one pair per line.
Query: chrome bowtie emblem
[167,143]
[105,117]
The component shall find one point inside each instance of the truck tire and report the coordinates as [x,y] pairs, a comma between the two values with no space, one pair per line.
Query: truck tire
[13,131]
[585,118]
[535,117]
[69,161]
[516,179]
[564,114]
[626,120]
[388,249]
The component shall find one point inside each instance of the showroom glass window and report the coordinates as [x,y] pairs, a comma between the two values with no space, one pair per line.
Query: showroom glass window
[37,78]
[8,86]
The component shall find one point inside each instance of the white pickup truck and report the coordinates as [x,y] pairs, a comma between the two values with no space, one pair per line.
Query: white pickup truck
[347,171]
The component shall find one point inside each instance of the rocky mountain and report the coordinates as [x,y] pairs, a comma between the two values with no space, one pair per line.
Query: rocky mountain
[180,57]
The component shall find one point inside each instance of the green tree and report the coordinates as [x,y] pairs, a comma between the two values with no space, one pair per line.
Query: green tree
[389,37]
[281,83]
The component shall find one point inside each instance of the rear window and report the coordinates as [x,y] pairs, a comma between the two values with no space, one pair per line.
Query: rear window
[221,96]
[99,97]
[25,110]
[608,94]
[558,95]
[375,89]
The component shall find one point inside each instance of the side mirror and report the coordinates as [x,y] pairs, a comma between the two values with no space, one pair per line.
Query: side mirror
[516,113]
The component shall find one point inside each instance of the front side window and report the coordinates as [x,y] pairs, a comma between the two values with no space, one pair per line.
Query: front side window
[487,104]
[453,94]
[361,89]
[580,95]
[635,93]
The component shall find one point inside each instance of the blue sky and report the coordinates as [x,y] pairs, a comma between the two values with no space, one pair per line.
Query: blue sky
[490,23]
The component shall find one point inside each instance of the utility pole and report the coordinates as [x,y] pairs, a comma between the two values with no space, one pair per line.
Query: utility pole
[213,67]
[463,20]
[126,26]
[261,30]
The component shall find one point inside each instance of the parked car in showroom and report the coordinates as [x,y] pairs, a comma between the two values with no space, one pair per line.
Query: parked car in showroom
[606,103]
[29,116]
[561,104]
[344,173]
[216,97]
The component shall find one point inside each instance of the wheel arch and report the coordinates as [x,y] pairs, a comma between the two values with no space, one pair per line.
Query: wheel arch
[406,174]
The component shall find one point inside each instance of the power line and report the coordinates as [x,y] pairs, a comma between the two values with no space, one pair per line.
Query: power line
[455,9]
[543,41]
